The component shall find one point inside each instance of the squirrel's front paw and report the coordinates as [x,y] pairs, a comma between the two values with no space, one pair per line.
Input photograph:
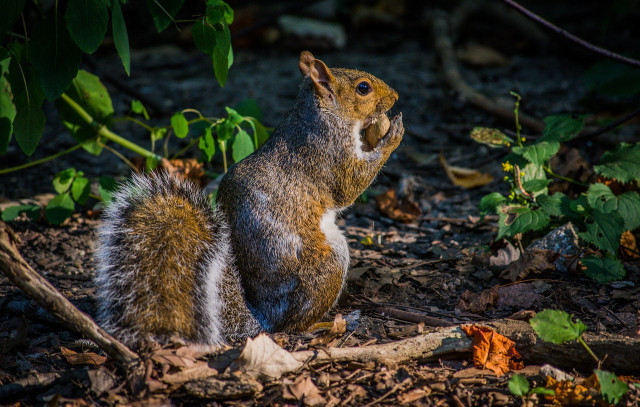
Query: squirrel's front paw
[394,135]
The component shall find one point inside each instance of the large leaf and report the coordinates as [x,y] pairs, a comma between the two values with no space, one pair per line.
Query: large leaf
[163,12]
[28,126]
[520,219]
[604,230]
[489,203]
[92,96]
[11,10]
[538,153]
[55,57]
[222,54]
[627,205]
[561,128]
[87,22]
[621,163]
[120,35]
[204,37]
[556,326]
[603,269]
[611,387]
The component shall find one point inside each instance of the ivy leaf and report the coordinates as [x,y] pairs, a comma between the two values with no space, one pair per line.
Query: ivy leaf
[518,385]
[489,203]
[538,153]
[180,125]
[611,387]
[62,181]
[561,128]
[603,269]
[207,145]
[107,187]
[621,163]
[242,146]
[120,36]
[12,212]
[87,22]
[604,230]
[163,12]
[556,326]
[59,209]
[55,57]
[80,189]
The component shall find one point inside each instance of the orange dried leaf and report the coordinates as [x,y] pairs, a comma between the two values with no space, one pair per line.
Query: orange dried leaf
[403,210]
[493,351]
[629,246]
[87,358]
[464,177]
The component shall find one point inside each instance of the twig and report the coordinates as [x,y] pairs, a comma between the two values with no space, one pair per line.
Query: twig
[609,126]
[44,294]
[571,37]
[444,47]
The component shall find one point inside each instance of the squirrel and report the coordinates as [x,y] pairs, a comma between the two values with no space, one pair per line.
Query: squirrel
[268,257]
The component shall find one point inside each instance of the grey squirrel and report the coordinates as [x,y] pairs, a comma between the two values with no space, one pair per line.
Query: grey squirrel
[269,256]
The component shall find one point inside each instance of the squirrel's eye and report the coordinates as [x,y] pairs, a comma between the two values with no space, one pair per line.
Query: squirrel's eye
[363,88]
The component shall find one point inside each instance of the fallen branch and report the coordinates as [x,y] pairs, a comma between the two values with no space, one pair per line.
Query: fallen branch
[623,354]
[43,293]
[564,33]
[444,47]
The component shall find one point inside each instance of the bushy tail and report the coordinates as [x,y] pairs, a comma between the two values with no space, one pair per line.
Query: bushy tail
[162,260]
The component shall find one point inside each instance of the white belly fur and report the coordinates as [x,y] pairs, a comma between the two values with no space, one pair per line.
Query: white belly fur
[336,240]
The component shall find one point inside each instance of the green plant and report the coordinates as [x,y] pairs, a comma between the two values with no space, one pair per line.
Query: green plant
[44,65]
[600,216]
[519,386]
[558,327]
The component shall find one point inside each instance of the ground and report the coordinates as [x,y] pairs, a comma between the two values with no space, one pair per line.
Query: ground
[423,268]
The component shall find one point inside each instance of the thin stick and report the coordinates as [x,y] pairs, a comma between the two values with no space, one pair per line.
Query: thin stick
[610,126]
[571,37]
[44,294]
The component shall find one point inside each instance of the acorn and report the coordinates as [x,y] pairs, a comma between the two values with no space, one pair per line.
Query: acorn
[377,129]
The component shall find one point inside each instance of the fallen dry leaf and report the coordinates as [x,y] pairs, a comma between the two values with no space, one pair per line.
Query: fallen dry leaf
[464,177]
[479,302]
[521,295]
[532,261]
[200,371]
[493,351]
[338,327]
[174,357]
[504,256]
[570,393]
[303,389]
[413,395]
[403,210]
[629,246]
[87,358]
[263,358]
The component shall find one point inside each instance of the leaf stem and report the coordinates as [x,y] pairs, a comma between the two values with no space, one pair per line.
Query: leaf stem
[553,174]
[588,349]
[184,149]
[105,132]
[42,160]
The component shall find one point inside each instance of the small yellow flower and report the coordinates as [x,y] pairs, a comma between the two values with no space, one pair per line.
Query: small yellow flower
[512,195]
[523,139]
[506,178]
[521,173]
[507,167]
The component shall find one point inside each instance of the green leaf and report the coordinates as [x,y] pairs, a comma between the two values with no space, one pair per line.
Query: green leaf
[91,94]
[551,205]
[62,181]
[535,185]
[81,188]
[518,385]
[242,146]
[613,79]
[556,326]
[621,163]
[603,269]
[158,133]
[489,203]
[12,212]
[163,12]
[222,55]
[151,163]
[627,205]
[55,57]
[11,10]
[538,153]
[544,391]
[493,138]
[207,145]
[520,219]
[225,130]
[611,387]
[249,107]
[138,108]
[604,230]
[28,126]
[87,22]
[120,36]
[204,37]
[234,117]
[107,186]
[7,113]
[561,128]
[180,125]
[59,209]
[262,133]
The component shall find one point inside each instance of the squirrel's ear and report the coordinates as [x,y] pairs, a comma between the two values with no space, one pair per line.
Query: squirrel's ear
[317,70]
